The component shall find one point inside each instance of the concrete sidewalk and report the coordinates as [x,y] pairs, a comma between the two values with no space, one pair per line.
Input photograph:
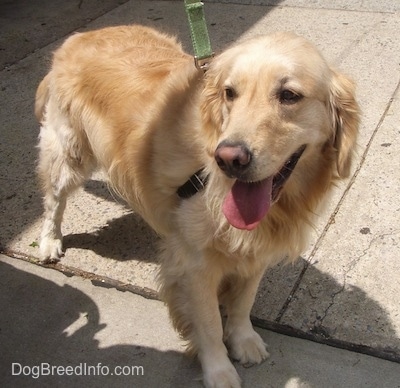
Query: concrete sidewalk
[343,291]
[50,319]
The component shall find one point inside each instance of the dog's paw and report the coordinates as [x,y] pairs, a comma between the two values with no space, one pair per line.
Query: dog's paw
[221,377]
[247,347]
[51,249]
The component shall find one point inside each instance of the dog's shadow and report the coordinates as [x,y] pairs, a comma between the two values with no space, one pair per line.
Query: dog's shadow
[123,238]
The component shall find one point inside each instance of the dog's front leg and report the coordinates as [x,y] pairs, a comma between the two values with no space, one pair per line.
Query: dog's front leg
[190,289]
[245,345]
[218,370]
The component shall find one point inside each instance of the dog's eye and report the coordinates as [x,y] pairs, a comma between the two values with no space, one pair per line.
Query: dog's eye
[289,97]
[229,94]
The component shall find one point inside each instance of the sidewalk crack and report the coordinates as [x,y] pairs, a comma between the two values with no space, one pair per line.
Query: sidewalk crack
[317,326]
[331,219]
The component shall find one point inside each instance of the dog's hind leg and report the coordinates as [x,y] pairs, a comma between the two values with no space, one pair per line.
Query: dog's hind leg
[65,161]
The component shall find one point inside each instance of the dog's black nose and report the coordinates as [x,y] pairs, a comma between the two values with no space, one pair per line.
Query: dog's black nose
[233,158]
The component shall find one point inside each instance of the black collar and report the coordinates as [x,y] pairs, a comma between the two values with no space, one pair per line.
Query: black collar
[196,183]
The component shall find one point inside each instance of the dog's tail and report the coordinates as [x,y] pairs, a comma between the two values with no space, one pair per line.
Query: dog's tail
[42,96]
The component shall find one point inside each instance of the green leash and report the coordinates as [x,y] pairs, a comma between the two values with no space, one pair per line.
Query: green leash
[198,31]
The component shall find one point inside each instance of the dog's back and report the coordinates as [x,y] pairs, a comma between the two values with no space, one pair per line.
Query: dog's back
[108,102]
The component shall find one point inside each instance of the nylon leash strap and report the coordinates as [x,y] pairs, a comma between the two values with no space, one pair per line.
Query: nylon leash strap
[199,34]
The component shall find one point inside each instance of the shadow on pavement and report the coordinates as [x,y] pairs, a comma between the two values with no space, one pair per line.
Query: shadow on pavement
[37,326]
[42,322]
[323,310]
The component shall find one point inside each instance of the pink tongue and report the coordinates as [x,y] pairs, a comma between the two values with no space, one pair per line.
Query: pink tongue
[247,203]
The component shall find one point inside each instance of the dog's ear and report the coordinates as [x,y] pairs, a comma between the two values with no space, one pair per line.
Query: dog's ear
[211,107]
[345,116]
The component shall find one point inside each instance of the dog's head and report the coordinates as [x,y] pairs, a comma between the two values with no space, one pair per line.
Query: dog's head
[267,101]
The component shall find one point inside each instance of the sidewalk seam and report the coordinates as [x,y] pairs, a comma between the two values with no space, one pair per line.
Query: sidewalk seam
[96,280]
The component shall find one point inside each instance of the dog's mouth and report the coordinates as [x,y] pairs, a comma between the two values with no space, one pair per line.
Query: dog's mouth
[247,203]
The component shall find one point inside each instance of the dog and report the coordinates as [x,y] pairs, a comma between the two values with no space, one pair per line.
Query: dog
[228,166]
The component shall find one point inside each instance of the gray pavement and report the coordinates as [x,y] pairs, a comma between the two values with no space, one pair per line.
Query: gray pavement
[344,289]
[49,319]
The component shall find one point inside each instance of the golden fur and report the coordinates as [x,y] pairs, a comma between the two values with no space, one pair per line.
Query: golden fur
[129,100]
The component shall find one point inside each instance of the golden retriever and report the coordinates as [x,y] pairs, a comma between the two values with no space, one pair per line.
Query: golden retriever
[228,167]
